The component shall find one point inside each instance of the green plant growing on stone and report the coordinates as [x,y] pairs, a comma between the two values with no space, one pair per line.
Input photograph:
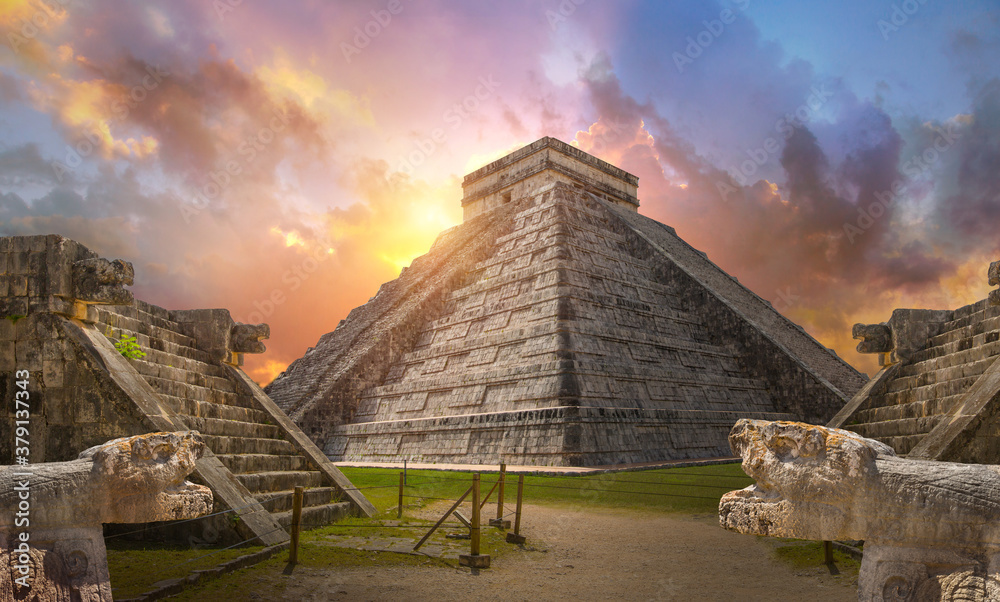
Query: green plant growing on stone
[129,347]
[15,317]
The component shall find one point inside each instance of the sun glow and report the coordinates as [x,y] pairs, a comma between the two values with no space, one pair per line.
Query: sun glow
[292,238]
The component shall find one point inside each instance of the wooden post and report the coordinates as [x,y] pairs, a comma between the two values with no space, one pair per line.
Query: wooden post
[475,514]
[293,550]
[475,560]
[828,552]
[402,481]
[503,477]
[516,536]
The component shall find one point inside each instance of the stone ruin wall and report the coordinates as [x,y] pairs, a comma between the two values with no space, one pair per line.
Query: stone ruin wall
[73,405]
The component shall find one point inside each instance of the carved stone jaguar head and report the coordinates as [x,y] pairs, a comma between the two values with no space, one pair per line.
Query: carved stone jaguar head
[141,478]
[809,479]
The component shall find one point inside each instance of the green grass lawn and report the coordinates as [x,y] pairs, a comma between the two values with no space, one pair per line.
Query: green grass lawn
[692,489]
[136,567]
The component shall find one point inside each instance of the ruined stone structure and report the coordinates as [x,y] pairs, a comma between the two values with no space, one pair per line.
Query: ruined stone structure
[937,395]
[61,308]
[59,553]
[556,326]
[930,528]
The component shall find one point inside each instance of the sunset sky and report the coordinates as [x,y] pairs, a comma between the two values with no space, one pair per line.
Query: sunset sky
[283,159]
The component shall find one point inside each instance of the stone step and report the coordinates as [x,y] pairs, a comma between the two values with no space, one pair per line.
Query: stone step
[926,393]
[985,325]
[223,445]
[232,428]
[207,409]
[982,350]
[917,409]
[216,394]
[147,342]
[904,443]
[179,374]
[161,358]
[969,314]
[258,482]
[280,501]
[144,312]
[181,350]
[934,377]
[144,328]
[897,428]
[315,517]
[154,310]
[251,463]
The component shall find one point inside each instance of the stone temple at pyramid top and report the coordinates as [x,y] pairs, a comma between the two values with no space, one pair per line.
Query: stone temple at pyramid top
[543,162]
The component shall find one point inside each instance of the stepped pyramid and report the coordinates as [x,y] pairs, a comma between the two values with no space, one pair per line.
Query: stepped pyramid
[65,306]
[937,395]
[557,326]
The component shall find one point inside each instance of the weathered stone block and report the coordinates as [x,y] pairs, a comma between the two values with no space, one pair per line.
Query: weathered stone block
[52,373]
[17,285]
[911,329]
[99,280]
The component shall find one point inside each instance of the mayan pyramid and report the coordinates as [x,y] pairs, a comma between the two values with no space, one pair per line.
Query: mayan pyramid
[937,396]
[557,326]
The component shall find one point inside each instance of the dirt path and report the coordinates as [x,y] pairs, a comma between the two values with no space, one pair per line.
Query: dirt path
[595,555]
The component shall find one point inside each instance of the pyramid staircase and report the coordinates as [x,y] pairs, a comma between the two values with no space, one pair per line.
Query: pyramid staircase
[553,291]
[211,398]
[934,396]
